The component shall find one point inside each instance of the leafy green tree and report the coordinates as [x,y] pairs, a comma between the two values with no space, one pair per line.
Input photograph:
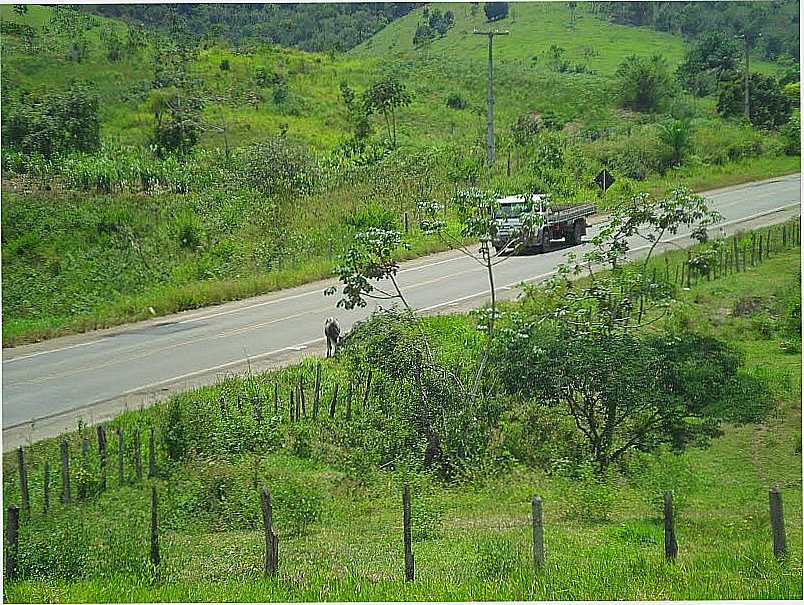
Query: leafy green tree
[357,117]
[712,60]
[495,10]
[385,97]
[643,84]
[624,392]
[582,352]
[21,9]
[770,107]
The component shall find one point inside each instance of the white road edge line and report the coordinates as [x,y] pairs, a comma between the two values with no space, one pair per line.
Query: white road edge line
[80,344]
[309,342]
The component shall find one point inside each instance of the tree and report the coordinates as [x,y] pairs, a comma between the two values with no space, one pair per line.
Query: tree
[495,10]
[770,107]
[385,97]
[582,351]
[712,60]
[624,392]
[644,83]
[21,9]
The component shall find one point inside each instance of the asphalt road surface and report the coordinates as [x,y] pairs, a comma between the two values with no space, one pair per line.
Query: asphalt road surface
[48,386]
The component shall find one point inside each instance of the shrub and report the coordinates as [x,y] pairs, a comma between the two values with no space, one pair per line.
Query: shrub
[224,65]
[279,166]
[53,123]
[456,101]
[644,84]
[373,216]
[769,106]
[791,133]
[495,10]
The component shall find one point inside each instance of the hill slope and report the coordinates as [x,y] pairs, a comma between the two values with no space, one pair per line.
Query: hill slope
[455,64]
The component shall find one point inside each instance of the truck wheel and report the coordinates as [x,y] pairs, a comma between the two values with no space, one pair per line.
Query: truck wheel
[547,244]
[576,235]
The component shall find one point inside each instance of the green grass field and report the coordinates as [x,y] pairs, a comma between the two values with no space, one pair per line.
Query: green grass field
[340,523]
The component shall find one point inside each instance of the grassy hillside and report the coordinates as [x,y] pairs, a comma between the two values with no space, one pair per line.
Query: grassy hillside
[454,64]
[339,517]
[96,239]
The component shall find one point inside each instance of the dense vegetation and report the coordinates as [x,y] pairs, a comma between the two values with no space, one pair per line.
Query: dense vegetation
[336,481]
[777,22]
[312,27]
[131,157]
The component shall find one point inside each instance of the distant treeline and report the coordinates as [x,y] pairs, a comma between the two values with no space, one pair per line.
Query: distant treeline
[311,27]
[777,20]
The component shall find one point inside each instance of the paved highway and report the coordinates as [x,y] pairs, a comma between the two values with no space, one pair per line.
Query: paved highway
[95,376]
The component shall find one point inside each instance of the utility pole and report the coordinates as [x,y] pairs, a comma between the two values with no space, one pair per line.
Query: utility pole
[746,76]
[490,96]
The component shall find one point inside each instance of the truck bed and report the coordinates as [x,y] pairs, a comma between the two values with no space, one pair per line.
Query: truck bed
[561,213]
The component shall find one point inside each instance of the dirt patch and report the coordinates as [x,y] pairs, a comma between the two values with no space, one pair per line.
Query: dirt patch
[748,305]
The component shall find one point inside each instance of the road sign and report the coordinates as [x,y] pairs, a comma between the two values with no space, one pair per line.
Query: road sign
[604,180]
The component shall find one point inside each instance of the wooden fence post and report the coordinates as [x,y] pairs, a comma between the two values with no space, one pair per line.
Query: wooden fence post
[271,540]
[154,529]
[151,454]
[538,532]
[302,398]
[349,402]
[102,454]
[734,254]
[138,454]
[317,395]
[409,565]
[299,404]
[291,404]
[46,481]
[12,541]
[26,500]
[65,474]
[276,398]
[670,544]
[121,457]
[334,402]
[777,522]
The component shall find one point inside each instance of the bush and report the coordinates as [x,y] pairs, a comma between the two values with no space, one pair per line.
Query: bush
[495,10]
[770,107]
[791,133]
[224,65]
[644,84]
[456,101]
[416,406]
[280,166]
[636,156]
[373,216]
[53,123]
